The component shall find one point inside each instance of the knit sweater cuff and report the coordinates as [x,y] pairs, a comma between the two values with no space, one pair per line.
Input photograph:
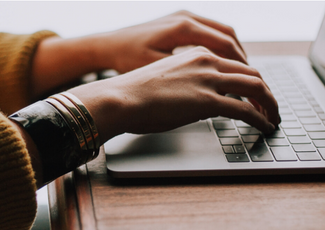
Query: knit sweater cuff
[16,55]
[17,184]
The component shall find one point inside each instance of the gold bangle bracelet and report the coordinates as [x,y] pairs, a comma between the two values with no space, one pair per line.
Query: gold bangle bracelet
[87,115]
[71,121]
[79,117]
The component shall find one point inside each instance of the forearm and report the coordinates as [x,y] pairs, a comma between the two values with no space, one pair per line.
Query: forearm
[59,61]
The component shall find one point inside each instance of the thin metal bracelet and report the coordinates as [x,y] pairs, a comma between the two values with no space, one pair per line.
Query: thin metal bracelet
[88,117]
[71,121]
[81,121]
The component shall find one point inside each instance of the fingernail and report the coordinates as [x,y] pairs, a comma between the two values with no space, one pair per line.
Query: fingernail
[271,128]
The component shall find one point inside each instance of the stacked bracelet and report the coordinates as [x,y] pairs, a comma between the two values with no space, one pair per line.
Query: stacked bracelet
[79,119]
[63,131]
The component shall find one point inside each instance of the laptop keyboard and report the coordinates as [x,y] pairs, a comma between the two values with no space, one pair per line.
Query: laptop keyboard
[301,134]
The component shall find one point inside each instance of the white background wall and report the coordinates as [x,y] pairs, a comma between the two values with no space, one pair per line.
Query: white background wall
[253,21]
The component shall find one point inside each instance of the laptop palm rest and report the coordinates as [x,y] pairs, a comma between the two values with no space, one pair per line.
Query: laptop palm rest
[191,147]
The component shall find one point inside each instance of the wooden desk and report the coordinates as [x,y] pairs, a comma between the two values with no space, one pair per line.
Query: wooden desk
[85,199]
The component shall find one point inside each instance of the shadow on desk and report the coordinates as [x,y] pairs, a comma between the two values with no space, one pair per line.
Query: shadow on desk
[217,180]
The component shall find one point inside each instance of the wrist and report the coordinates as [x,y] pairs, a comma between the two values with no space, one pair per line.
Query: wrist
[103,49]
[104,101]
[59,61]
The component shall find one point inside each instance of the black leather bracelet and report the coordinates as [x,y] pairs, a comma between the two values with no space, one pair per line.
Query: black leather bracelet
[58,146]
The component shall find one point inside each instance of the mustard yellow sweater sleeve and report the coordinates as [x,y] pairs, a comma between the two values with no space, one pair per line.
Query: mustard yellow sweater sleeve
[17,184]
[16,53]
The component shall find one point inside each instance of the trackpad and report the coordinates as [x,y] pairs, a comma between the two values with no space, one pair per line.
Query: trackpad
[181,149]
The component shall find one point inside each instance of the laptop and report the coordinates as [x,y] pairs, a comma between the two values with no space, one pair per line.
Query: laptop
[225,147]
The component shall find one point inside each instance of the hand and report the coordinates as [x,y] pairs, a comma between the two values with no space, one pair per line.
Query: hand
[136,46]
[58,61]
[178,90]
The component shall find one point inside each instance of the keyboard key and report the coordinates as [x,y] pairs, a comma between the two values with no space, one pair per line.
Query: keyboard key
[306,113]
[322,152]
[275,134]
[242,124]
[309,97]
[304,148]
[237,158]
[319,143]
[316,135]
[284,82]
[309,156]
[283,154]
[310,120]
[313,102]
[287,88]
[293,94]
[248,131]
[227,133]
[277,95]
[277,142]
[223,125]
[230,141]
[296,100]
[252,138]
[290,124]
[299,140]
[282,104]
[298,107]
[294,132]
[318,109]
[284,111]
[220,118]
[228,149]
[288,117]
[259,152]
[239,149]
[321,116]
[314,128]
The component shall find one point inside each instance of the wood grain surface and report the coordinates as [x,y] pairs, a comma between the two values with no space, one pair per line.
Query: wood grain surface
[292,202]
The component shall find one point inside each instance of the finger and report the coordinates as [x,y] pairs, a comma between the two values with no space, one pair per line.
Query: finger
[218,42]
[181,49]
[216,25]
[250,87]
[187,31]
[240,110]
[231,66]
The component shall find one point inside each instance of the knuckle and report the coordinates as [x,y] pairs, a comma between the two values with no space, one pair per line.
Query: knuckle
[246,109]
[258,86]
[204,58]
[231,31]
[207,77]
[210,99]
[230,44]
[202,49]
[184,23]
[182,12]
[254,72]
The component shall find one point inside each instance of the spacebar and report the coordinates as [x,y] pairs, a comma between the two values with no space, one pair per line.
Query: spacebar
[259,152]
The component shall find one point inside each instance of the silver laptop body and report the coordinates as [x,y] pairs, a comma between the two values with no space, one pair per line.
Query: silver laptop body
[224,147]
